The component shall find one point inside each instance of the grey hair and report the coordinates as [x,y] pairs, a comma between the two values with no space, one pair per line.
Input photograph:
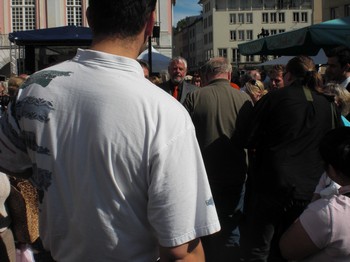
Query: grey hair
[178,59]
[216,65]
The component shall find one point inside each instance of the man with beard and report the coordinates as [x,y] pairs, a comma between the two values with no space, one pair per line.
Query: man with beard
[177,86]
[338,69]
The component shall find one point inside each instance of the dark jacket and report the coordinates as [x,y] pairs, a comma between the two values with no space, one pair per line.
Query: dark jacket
[285,129]
[184,89]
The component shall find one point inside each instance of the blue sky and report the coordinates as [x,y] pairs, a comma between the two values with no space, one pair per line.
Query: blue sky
[184,8]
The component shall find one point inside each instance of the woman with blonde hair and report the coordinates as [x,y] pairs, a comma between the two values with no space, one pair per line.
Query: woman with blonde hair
[341,98]
[255,89]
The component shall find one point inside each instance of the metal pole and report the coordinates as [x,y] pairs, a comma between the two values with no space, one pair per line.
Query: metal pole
[150,55]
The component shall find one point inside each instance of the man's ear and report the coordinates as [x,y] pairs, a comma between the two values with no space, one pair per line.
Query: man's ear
[88,17]
[229,76]
[150,24]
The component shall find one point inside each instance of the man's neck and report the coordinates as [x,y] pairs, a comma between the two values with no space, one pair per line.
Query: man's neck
[122,47]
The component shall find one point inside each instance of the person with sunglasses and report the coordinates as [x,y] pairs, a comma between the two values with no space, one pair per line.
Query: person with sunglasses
[255,89]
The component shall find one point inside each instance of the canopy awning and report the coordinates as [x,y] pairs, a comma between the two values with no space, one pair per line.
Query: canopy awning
[304,41]
[159,61]
[67,35]
[320,58]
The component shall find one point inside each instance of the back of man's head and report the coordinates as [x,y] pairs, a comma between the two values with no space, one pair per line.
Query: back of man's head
[217,67]
[119,18]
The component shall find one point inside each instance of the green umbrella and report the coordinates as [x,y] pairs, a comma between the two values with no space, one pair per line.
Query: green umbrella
[304,41]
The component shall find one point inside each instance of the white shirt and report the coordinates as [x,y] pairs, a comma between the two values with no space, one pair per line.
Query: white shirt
[326,221]
[117,157]
[345,83]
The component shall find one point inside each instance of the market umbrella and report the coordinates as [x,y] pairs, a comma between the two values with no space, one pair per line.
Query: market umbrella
[304,41]
[320,58]
[159,61]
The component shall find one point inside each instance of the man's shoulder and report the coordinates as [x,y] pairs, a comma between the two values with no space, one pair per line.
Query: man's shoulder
[189,86]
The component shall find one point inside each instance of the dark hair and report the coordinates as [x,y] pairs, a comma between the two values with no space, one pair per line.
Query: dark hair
[277,69]
[303,68]
[121,18]
[143,63]
[342,53]
[335,149]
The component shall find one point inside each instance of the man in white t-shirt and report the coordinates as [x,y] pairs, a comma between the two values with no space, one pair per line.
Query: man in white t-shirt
[116,157]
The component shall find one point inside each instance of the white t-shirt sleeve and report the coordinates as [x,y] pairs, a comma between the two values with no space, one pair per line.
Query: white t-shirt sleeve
[181,207]
[326,187]
[317,222]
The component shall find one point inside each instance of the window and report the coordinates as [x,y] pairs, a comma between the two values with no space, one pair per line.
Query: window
[280,4]
[347,10]
[241,35]
[296,17]
[241,18]
[281,17]
[304,17]
[232,18]
[236,57]
[205,21]
[281,31]
[333,13]
[210,20]
[249,18]
[210,37]
[207,7]
[223,52]
[273,17]
[233,35]
[265,17]
[206,39]
[249,34]
[273,32]
[23,15]
[209,54]
[74,12]
[249,58]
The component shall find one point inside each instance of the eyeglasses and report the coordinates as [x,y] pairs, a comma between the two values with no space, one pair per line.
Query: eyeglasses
[253,82]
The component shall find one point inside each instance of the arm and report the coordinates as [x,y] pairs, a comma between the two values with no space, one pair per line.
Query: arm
[296,244]
[190,251]
[188,104]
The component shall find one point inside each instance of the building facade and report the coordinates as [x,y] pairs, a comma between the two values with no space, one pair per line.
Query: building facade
[188,42]
[327,10]
[227,23]
[21,15]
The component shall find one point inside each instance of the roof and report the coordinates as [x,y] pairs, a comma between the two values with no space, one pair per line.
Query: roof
[65,35]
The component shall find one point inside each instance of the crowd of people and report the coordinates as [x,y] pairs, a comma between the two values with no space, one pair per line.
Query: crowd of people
[210,167]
